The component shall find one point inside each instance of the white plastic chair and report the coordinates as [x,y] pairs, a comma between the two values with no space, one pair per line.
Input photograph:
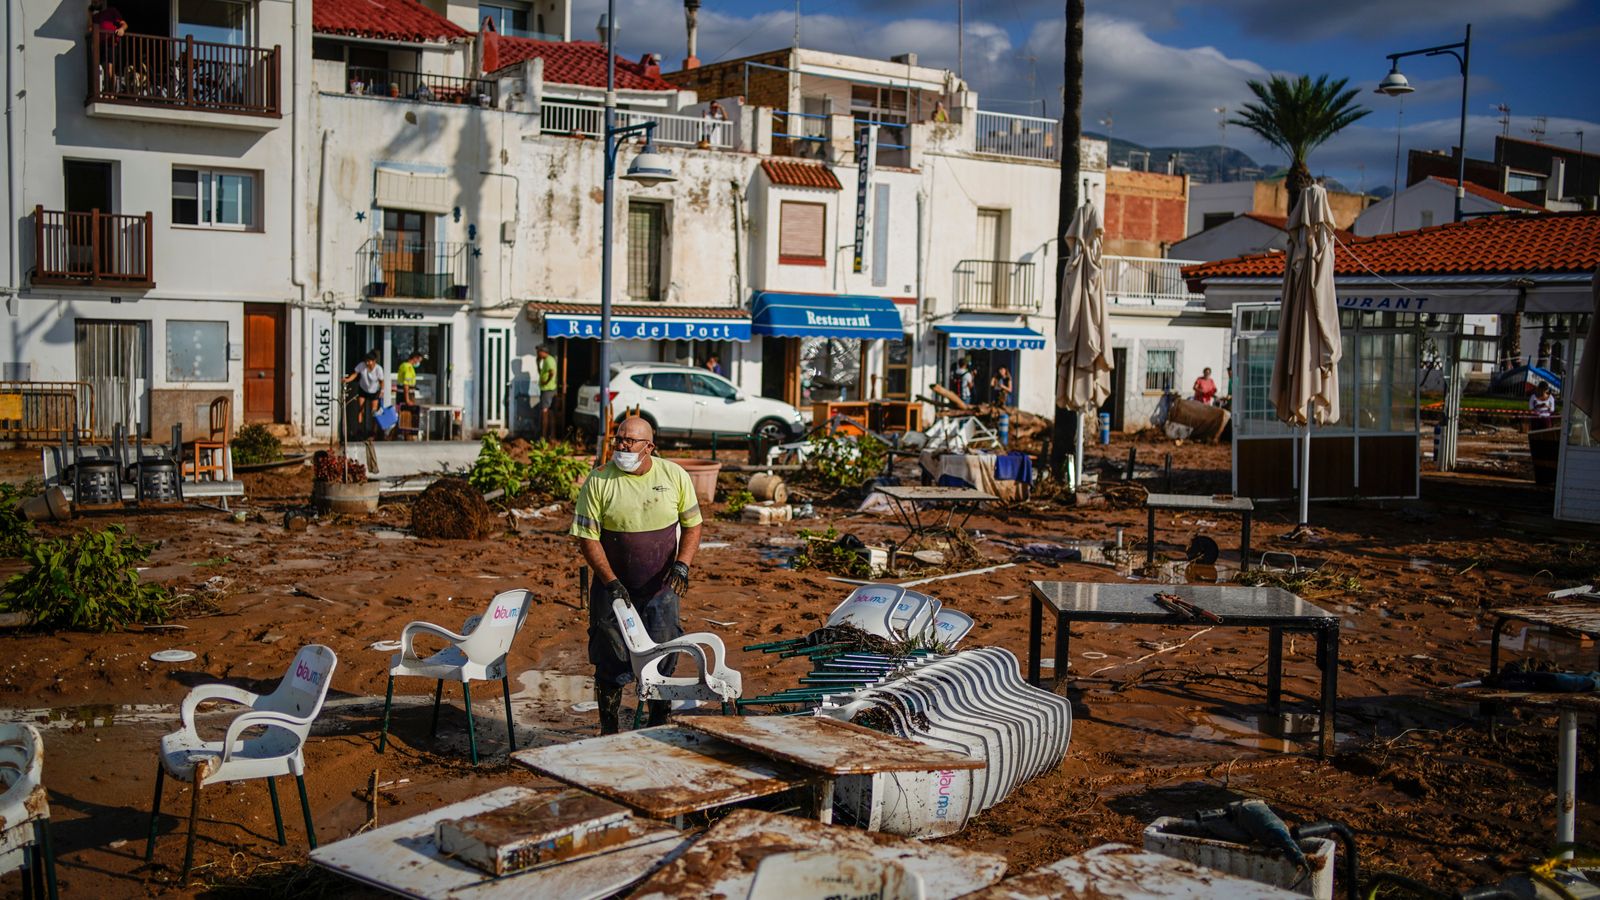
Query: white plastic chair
[950,626]
[478,653]
[833,873]
[25,811]
[285,714]
[871,608]
[714,682]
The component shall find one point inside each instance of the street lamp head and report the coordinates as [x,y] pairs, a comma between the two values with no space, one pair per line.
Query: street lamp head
[650,168]
[605,25]
[1394,84]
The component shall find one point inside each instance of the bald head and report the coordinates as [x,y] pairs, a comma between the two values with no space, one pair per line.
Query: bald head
[636,427]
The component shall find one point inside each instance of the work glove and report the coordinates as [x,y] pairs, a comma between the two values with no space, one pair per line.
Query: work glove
[678,578]
[615,590]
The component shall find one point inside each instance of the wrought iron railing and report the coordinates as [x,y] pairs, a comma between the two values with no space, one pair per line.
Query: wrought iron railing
[183,73]
[420,86]
[46,410]
[92,248]
[995,285]
[681,131]
[1025,137]
[429,270]
[1146,281]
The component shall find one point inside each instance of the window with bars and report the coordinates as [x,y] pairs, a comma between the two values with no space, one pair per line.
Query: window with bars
[646,231]
[801,233]
[1160,370]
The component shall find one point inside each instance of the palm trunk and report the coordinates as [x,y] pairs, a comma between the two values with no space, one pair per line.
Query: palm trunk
[1296,182]
[1065,433]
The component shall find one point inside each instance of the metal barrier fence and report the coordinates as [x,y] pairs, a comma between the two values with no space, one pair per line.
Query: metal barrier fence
[1026,137]
[46,410]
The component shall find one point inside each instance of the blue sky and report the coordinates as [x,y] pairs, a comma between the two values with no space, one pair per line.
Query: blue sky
[1158,68]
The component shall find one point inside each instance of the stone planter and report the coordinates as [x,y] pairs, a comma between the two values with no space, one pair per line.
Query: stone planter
[345,499]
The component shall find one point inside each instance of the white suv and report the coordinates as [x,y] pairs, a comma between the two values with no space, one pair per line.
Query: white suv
[690,402]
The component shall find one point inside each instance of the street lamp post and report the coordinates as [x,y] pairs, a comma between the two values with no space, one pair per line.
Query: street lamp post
[1395,84]
[648,168]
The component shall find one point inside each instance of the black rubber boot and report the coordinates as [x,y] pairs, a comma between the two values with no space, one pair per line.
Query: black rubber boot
[659,710]
[610,700]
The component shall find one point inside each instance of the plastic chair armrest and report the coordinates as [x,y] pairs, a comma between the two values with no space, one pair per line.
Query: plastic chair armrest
[662,651]
[224,692]
[257,719]
[408,633]
[713,644]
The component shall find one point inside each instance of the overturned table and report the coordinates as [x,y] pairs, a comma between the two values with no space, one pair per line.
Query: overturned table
[1229,606]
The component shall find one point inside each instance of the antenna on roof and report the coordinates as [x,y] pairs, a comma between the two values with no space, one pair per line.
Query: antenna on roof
[1505,118]
[1537,129]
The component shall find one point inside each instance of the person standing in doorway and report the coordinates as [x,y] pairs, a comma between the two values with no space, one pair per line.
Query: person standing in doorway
[1543,406]
[546,406]
[961,380]
[1000,386]
[369,378]
[714,365]
[1205,389]
[637,521]
[405,378]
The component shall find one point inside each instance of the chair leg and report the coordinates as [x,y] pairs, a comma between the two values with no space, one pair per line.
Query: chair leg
[30,862]
[277,811]
[48,853]
[472,734]
[511,731]
[194,820]
[305,807]
[438,691]
[388,700]
[638,713]
[155,812]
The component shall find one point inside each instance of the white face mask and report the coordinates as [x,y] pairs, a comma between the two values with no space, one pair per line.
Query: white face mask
[627,462]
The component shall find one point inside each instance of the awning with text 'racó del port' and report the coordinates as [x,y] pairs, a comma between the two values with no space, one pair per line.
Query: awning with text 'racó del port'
[967,336]
[825,315]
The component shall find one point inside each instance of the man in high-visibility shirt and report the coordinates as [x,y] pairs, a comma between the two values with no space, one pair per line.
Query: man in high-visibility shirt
[637,521]
[405,377]
[546,404]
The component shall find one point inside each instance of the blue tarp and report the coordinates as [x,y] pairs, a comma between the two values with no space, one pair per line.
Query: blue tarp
[986,337]
[826,315]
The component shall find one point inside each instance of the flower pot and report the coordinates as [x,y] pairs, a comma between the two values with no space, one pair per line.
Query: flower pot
[703,473]
[345,499]
[458,291]
[377,289]
[394,90]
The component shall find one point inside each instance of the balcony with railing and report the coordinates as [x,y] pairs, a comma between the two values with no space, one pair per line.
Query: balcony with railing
[672,130]
[1146,281]
[421,87]
[131,73]
[800,134]
[417,270]
[995,286]
[1022,137]
[92,249]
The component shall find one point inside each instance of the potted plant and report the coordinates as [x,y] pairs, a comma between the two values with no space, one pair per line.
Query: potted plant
[339,485]
[357,86]
[458,291]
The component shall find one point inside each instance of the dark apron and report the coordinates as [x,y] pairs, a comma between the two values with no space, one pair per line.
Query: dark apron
[641,561]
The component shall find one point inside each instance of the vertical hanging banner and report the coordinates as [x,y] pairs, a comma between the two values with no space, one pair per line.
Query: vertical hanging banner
[866,156]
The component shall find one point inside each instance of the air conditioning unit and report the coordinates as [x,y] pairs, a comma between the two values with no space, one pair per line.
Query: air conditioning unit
[508,232]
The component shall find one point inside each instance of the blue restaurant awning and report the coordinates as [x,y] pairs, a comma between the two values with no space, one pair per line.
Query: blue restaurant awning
[633,326]
[966,336]
[826,315]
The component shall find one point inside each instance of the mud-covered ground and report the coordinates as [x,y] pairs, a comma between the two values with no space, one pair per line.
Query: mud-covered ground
[1167,720]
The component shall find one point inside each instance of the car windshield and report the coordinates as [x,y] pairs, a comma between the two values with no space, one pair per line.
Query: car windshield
[713,386]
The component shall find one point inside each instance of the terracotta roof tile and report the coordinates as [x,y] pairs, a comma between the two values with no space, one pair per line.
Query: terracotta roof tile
[1282,224]
[798,174]
[384,20]
[581,63]
[1499,245]
[1492,196]
[661,310]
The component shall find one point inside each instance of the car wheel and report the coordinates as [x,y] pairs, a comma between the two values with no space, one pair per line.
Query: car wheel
[771,431]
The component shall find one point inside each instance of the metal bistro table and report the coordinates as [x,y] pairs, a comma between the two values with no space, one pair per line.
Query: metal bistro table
[1272,608]
[1582,617]
[1199,503]
[906,497]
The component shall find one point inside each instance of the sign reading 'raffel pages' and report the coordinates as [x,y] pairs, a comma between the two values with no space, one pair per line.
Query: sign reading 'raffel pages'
[625,328]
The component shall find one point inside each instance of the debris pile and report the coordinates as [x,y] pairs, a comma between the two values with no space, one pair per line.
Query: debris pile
[452,509]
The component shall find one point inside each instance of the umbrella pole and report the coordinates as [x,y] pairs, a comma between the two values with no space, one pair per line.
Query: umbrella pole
[1305,469]
[1077,466]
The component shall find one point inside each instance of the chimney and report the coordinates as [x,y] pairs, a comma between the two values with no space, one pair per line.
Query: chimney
[650,64]
[691,17]
[905,59]
[1555,188]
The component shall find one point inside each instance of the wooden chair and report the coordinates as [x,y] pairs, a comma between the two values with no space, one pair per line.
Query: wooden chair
[209,455]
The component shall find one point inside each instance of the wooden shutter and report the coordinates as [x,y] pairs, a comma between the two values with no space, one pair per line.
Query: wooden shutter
[801,229]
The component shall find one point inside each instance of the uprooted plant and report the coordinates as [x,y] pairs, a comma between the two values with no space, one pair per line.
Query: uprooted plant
[551,469]
[841,461]
[16,532]
[88,581]
[823,550]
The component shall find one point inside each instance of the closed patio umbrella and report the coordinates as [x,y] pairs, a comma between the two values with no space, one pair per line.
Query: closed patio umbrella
[1305,375]
[1083,338]
[1584,392]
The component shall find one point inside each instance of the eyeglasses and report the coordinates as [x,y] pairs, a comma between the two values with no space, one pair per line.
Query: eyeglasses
[627,443]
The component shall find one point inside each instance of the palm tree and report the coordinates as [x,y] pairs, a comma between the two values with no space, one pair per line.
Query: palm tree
[1064,431]
[1297,115]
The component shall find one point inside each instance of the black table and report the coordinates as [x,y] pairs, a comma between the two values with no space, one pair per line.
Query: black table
[1581,616]
[1272,608]
[906,499]
[1200,503]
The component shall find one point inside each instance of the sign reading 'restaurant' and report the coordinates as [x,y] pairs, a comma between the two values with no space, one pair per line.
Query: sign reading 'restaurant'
[624,329]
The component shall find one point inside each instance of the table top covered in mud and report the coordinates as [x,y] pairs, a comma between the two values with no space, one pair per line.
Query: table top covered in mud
[829,746]
[920,493]
[1117,870]
[1236,604]
[1210,502]
[1580,615]
[665,771]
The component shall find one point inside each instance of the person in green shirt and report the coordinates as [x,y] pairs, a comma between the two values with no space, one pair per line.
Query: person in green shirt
[637,522]
[405,377]
[547,393]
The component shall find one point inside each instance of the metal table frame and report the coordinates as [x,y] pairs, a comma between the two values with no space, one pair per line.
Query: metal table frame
[905,498]
[1320,623]
[1244,507]
[1581,617]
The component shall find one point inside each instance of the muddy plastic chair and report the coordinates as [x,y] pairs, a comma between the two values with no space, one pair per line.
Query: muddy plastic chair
[478,653]
[285,717]
[714,682]
[871,608]
[25,811]
[949,627]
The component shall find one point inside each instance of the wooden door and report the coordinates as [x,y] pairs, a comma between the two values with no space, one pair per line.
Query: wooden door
[263,362]
[404,253]
[989,282]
